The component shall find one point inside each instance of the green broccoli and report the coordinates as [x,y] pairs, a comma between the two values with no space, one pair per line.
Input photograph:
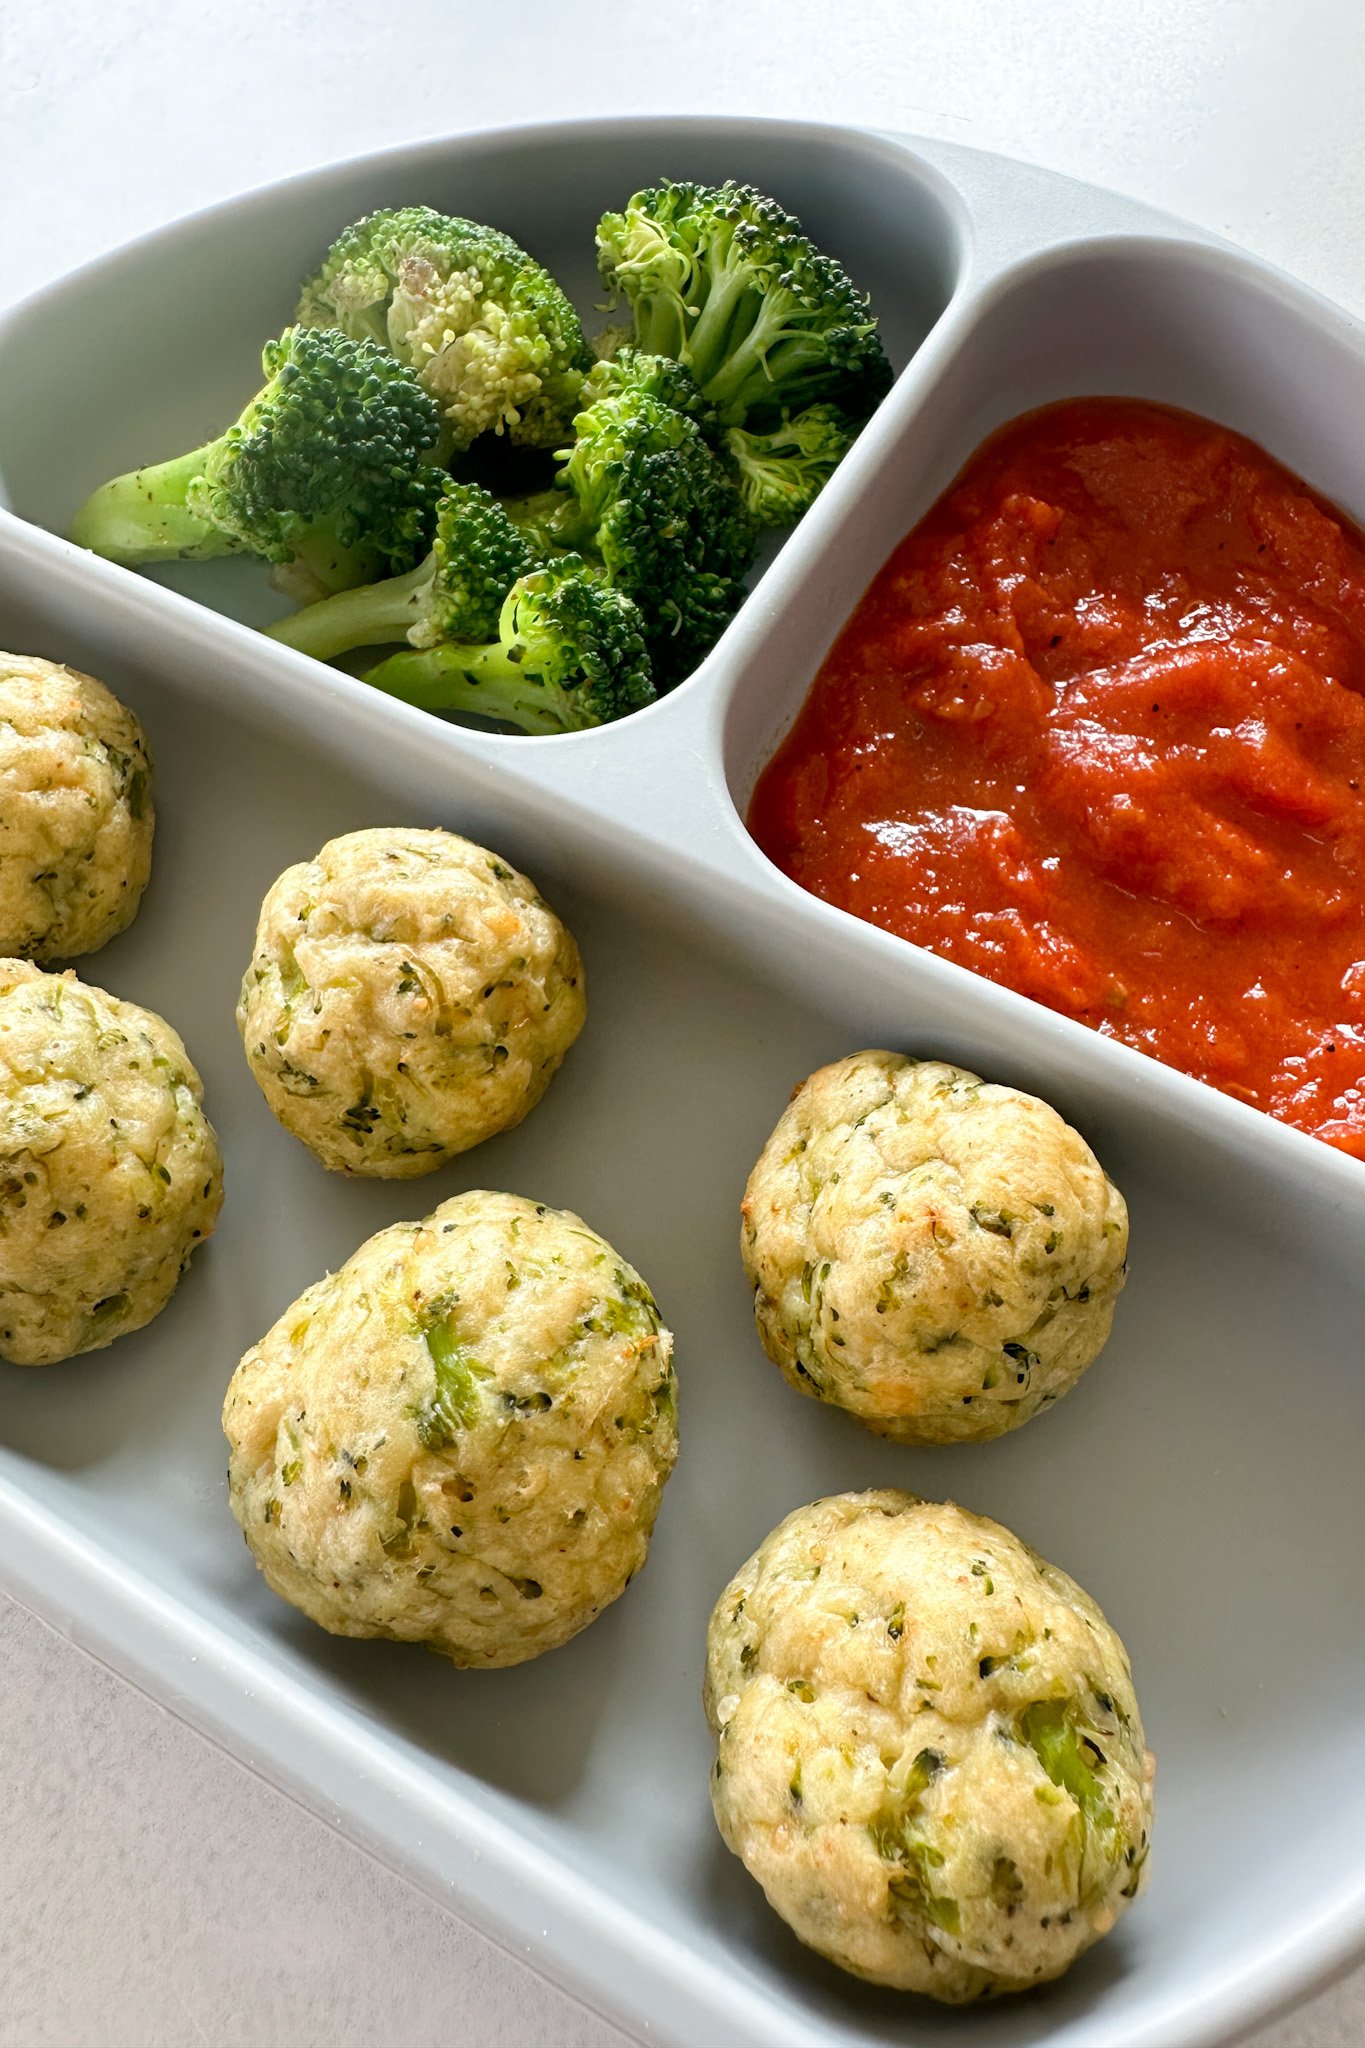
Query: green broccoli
[643,492]
[569,654]
[488,331]
[782,471]
[457,593]
[728,282]
[629,372]
[326,471]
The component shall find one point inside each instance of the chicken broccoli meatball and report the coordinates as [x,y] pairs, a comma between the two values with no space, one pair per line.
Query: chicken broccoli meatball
[109,1171]
[410,995]
[936,1254]
[461,1438]
[929,1749]
[76,815]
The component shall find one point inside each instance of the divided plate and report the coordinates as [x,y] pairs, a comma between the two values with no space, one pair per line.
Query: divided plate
[1202,1481]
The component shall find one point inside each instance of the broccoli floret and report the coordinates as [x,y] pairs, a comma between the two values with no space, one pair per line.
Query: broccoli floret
[643,492]
[457,593]
[783,471]
[728,282]
[326,471]
[629,372]
[569,654]
[488,331]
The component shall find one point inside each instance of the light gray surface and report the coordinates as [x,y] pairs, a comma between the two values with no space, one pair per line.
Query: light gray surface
[158,1884]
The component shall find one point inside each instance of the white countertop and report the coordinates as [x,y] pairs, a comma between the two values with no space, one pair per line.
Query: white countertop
[152,1893]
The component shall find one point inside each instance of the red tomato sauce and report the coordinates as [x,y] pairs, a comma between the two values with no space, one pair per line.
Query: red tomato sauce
[1097,730]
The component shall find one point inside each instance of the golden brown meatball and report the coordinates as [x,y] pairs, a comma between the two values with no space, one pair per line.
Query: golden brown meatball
[461,1438]
[929,1749]
[938,1255]
[410,995]
[76,818]
[110,1174]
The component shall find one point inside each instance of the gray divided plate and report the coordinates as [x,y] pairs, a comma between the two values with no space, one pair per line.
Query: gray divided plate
[1203,1481]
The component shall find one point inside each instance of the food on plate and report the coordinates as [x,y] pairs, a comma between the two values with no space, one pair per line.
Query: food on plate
[726,280]
[327,473]
[109,1171]
[1096,731]
[630,372]
[546,646]
[462,1437]
[569,655]
[645,495]
[929,1752]
[641,494]
[409,995]
[557,532]
[773,329]
[935,1253]
[456,592]
[76,816]
[783,469]
[488,331]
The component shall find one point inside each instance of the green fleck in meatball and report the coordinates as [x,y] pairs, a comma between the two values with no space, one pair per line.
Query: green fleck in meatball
[929,1749]
[76,817]
[938,1255]
[409,996]
[461,1438]
[109,1172]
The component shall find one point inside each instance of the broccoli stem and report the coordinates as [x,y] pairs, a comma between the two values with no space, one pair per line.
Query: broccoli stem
[552,519]
[322,564]
[144,516]
[482,680]
[661,327]
[768,356]
[369,617]
[710,343]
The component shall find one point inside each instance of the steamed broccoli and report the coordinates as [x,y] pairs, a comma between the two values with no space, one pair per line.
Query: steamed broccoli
[457,593]
[569,654]
[488,331]
[630,372]
[643,492]
[782,471]
[326,471]
[728,282]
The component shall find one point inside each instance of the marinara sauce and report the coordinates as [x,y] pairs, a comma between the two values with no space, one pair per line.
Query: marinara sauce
[1097,730]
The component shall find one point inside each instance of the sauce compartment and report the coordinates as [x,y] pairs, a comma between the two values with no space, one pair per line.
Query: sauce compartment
[1205,330]
[1097,732]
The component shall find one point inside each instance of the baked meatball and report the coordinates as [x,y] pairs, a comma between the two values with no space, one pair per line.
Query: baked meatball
[929,1749]
[410,995]
[936,1254]
[76,815]
[461,1438]
[109,1172]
